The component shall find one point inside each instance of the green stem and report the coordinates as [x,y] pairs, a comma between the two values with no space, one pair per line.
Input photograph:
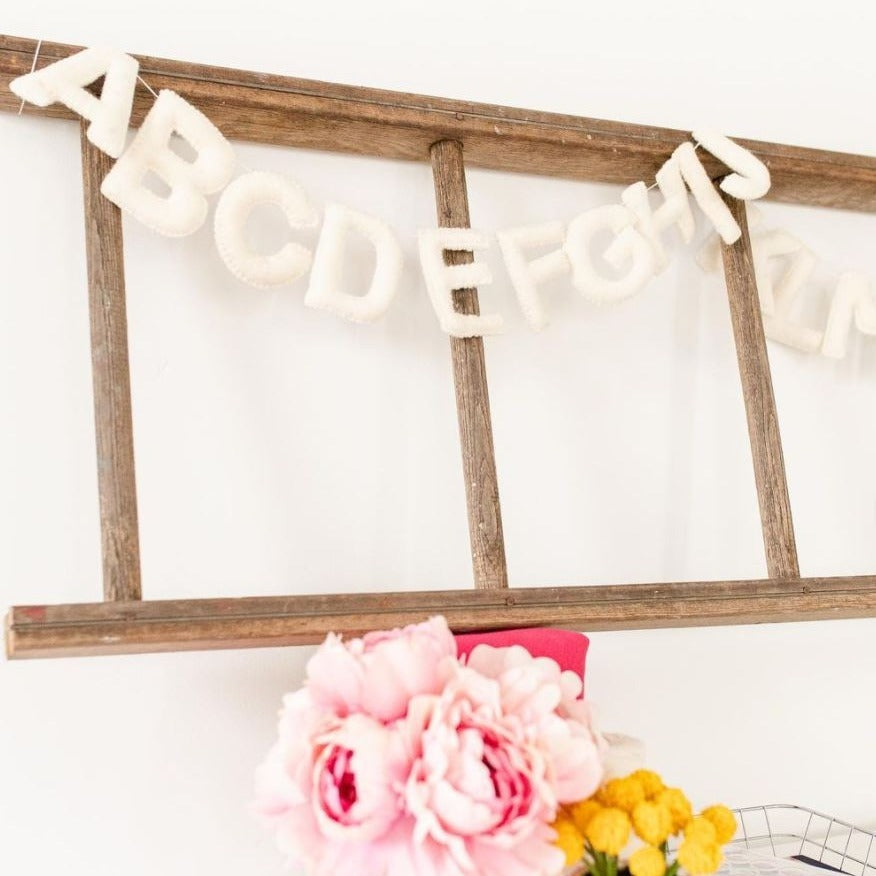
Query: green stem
[601,863]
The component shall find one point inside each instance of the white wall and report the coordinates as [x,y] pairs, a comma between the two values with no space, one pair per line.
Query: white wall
[281,450]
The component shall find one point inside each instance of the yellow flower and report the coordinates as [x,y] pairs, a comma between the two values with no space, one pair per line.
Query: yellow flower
[701,830]
[647,861]
[621,794]
[699,858]
[608,831]
[583,812]
[652,822]
[569,840]
[651,783]
[723,820]
[678,805]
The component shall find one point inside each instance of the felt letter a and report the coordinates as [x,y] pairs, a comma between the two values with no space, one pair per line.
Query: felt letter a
[65,81]
[184,209]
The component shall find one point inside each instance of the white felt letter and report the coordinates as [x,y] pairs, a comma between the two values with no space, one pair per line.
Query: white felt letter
[705,194]
[184,210]
[777,299]
[442,279]
[852,300]
[326,292]
[631,247]
[672,187]
[241,197]
[64,81]
[527,275]
[751,178]
[709,256]
[650,223]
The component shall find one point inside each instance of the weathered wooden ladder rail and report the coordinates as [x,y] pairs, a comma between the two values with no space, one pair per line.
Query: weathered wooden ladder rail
[294,112]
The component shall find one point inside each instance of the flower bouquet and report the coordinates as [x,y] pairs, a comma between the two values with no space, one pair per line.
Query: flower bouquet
[409,752]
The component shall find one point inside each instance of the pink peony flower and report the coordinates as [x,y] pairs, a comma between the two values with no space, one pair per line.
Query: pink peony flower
[496,759]
[331,788]
[536,691]
[379,673]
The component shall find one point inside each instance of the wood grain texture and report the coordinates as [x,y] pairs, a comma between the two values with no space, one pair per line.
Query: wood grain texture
[117,490]
[206,624]
[470,381]
[287,111]
[760,403]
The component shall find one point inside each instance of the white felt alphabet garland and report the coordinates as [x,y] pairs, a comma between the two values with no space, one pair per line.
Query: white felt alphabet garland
[635,254]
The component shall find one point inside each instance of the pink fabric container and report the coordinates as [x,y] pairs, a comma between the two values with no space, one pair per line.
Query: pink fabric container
[567,648]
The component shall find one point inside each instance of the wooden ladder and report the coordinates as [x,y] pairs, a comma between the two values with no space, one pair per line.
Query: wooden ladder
[295,112]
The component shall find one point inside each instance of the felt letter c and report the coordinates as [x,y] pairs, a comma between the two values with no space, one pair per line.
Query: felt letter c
[241,197]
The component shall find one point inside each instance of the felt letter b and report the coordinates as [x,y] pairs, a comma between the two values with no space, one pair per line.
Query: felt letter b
[184,209]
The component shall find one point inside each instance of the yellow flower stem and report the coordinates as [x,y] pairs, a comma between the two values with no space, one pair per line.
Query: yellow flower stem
[598,865]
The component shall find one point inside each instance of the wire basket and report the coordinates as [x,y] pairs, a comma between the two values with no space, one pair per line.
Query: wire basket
[787,831]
